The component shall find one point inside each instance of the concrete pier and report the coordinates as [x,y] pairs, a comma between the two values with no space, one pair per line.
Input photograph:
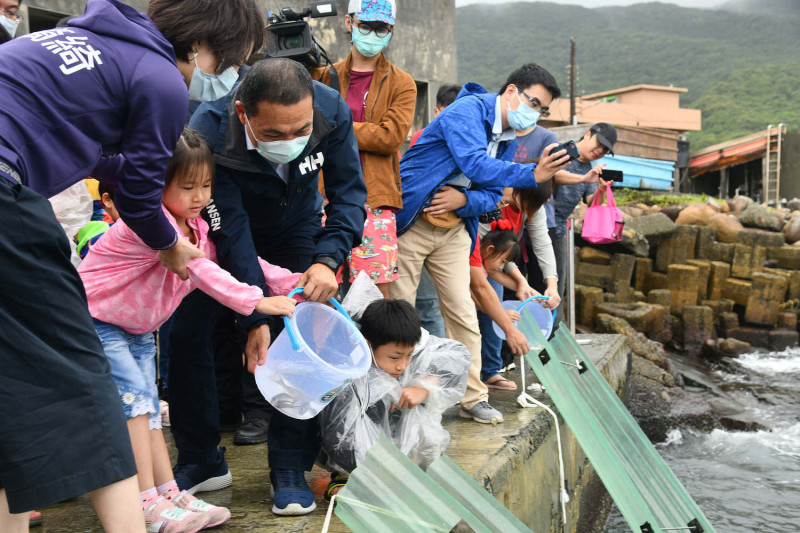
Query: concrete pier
[516,461]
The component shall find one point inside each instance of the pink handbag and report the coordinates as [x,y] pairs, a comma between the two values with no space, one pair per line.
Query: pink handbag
[603,223]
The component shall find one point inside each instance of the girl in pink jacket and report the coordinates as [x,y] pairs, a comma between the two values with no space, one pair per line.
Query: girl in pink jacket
[131,294]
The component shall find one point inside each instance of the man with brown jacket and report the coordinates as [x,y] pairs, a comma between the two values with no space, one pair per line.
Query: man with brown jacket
[381,98]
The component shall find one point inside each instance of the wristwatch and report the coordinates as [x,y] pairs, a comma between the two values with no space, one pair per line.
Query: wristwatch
[328,261]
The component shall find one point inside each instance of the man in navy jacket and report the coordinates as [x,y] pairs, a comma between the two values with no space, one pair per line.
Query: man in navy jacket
[271,138]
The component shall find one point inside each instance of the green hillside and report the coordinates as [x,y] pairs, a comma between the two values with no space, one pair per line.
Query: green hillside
[748,100]
[653,43]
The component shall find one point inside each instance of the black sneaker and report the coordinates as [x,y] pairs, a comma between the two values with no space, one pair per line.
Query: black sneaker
[204,477]
[252,431]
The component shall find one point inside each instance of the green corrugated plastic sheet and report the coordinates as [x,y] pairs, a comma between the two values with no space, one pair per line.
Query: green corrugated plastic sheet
[646,491]
[475,498]
[388,492]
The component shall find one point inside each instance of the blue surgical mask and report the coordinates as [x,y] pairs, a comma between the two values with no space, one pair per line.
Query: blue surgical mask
[279,152]
[9,25]
[206,87]
[523,117]
[370,44]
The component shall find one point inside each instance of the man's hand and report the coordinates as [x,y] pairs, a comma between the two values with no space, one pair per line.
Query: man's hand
[412,397]
[512,314]
[319,283]
[517,342]
[593,176]
[446,199]
[176,258]
[553,299]
[256,348]
[550,163]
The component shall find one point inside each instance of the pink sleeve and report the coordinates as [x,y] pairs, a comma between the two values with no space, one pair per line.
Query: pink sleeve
[210,278]
[279,280]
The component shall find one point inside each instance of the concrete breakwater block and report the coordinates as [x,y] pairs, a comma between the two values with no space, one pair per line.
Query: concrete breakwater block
[684,281]
[766,294]
[737,290]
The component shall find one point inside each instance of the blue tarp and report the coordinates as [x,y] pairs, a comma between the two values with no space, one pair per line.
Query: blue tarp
[641,173]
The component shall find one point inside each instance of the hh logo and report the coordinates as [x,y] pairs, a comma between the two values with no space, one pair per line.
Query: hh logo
[312,162]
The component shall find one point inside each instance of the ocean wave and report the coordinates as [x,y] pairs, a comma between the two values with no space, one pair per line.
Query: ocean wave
[785,362]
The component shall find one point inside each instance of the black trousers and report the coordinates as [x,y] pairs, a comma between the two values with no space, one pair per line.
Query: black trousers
[194,403]
[62,429]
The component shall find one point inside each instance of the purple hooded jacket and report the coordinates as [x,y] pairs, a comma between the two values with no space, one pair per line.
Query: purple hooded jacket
[102,97]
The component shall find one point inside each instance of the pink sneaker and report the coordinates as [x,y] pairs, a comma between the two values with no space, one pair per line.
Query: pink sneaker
[164,517]
[215,515]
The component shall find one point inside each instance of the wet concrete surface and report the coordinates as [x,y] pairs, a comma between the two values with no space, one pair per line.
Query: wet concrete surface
[479,449]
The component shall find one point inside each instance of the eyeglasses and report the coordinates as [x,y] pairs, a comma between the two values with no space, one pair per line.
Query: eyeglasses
[380,31]
[536,105]
[12,16]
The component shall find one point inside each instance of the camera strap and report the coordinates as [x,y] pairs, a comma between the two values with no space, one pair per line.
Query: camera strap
[333,79]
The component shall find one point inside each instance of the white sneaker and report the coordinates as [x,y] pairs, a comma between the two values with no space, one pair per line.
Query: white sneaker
[482,412]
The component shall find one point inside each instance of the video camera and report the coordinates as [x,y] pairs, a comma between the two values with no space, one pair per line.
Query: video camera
[288,35]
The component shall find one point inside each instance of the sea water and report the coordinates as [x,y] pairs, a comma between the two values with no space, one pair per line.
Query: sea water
[745,482]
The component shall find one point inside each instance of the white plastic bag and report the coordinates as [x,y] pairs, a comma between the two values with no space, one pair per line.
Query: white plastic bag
[73,208]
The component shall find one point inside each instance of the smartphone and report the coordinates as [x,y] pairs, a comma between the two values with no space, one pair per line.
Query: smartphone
[569,146]
[611,175]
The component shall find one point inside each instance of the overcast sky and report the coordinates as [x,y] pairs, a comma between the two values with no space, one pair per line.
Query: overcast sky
[600,3]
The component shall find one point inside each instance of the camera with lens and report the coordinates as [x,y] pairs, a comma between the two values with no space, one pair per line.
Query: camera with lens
[288,35]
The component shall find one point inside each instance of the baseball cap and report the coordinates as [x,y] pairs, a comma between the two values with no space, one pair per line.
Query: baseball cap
[606,135]
[373,10]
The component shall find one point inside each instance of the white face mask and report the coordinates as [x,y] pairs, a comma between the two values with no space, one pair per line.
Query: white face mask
[279,152]
[206,87]
[9,25]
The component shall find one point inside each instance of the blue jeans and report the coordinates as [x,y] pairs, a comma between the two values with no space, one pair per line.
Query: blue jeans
[491,360]
[560,247]
[428,306]
[132,359]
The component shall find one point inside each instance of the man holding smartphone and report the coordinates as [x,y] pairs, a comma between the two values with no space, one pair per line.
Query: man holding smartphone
[578,181]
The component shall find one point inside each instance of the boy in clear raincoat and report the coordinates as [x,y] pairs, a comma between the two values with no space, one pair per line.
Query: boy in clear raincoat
[414,378]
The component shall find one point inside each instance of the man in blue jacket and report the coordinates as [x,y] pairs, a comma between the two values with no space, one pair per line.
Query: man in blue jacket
[271,138]
[105,95]
[454,173]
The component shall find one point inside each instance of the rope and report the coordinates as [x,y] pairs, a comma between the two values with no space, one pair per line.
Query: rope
[526,400]
[378,510]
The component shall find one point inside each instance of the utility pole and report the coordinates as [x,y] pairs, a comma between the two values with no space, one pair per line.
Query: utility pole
[573,117]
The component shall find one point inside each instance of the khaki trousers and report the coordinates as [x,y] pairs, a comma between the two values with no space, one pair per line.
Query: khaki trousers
[445,253]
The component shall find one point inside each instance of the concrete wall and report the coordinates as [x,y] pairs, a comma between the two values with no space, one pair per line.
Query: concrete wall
[517,461]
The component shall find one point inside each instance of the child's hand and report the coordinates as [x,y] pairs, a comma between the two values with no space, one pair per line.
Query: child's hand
[412,397]
[517,342]
[276,305]
[512,314]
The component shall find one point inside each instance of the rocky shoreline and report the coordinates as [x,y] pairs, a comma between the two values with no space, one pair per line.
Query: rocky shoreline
[689,286]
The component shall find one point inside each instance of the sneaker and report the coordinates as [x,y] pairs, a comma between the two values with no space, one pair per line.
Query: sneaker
[204,477]
[163,408]
[216,515]
[290,493]
[482,412]
[253,430]
[164,517]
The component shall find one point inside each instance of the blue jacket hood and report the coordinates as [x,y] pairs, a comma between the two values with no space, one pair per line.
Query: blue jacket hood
[112,18]
[471,88]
